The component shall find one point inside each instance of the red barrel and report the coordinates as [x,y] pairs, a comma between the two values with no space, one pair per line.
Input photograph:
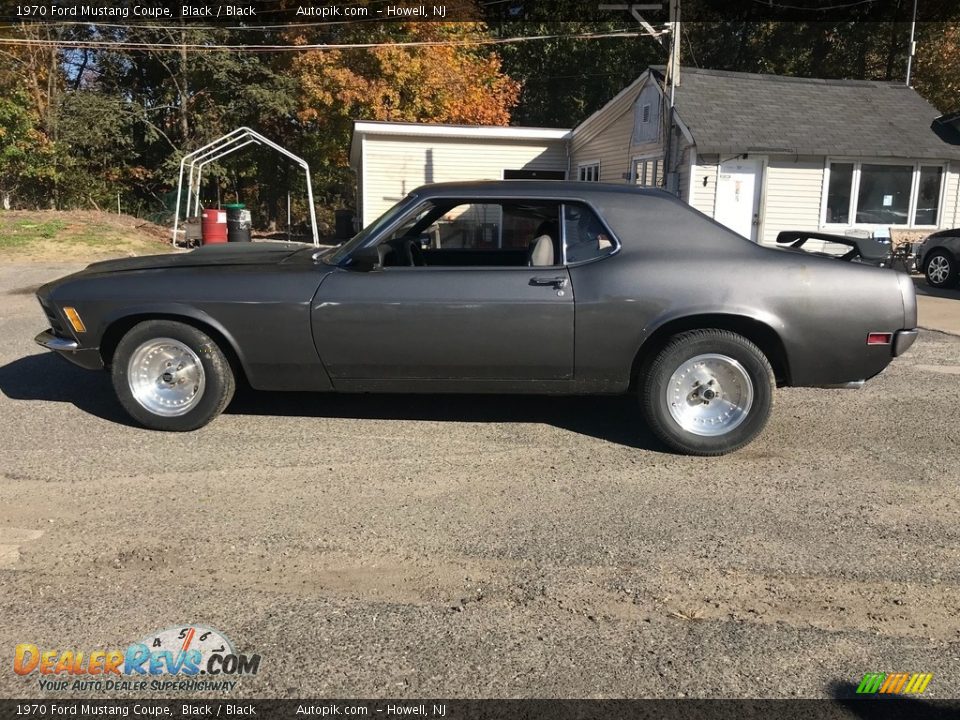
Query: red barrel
[214,226]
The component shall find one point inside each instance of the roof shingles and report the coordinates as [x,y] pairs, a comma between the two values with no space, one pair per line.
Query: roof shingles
[729,112]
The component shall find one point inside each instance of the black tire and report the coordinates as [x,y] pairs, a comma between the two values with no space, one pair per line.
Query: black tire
[943,259]
[678,351]
[216,389]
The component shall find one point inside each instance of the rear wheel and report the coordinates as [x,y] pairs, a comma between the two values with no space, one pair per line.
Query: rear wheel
[708,392]
[941,269]
[171,376]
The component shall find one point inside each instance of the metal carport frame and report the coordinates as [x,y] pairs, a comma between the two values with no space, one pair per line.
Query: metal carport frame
[222,146]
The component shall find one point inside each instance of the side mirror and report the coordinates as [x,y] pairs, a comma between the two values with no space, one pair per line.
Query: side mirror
[367,258]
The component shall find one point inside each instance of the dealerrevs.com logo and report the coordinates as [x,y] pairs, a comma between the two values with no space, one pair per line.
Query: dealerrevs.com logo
[180,658]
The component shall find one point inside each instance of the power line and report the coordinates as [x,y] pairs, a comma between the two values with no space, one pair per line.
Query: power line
[128,45]
[843,6]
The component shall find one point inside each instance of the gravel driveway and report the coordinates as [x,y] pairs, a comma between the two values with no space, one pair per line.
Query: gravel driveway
[506,547]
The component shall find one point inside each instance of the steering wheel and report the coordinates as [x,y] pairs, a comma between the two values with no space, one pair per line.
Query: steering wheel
[415,253]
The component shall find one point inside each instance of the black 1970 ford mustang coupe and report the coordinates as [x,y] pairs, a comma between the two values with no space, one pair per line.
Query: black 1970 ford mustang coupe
[494,287]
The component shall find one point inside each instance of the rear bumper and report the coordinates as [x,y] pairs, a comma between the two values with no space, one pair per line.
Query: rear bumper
[87,358]
[902,340]
[899,344]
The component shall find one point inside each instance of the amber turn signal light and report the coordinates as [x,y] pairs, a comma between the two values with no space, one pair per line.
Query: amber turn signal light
[74,319]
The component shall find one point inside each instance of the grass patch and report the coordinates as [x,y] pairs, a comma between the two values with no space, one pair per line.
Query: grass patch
[77,234]
[17,233]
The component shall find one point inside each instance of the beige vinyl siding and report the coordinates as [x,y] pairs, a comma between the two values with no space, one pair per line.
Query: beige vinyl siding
[609,136]
[360,200]
[950,217]
[395,165]
[794,188]
[610,147]
[705,195]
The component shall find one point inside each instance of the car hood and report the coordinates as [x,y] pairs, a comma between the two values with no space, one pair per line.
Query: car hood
[953,232]
[228,254]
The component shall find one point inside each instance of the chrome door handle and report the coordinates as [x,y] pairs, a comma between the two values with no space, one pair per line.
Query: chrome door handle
[557,282]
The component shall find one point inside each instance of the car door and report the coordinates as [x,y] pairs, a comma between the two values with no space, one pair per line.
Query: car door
[449,322]
[446,323]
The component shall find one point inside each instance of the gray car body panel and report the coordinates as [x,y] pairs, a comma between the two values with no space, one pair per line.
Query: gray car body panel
[295,322]
[948,240]
[256,297]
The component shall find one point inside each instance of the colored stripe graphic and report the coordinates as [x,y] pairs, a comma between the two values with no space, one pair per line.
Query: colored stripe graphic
[894,683]
[918,683]
[871,683]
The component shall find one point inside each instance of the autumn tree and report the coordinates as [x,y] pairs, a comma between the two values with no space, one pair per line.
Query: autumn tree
[453,81]
[937,75]
[29,88]
[27,157]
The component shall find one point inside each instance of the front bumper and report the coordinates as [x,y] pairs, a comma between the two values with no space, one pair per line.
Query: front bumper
[87,358]
[902,340]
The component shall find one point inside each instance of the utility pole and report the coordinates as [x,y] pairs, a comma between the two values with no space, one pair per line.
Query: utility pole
[672,75]
[672,81]
[911,51]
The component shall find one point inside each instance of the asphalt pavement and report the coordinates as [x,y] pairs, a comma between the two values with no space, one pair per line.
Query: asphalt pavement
[392,546]
[937,309]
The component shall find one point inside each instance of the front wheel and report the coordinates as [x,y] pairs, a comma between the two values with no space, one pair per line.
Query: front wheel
[171,376]
[941,270]
[708,392]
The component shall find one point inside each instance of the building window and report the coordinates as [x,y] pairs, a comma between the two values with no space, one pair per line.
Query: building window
[645,113]
[865,193]
[884,194]
[839,193]
[928,195]
[648,172]
[589,172]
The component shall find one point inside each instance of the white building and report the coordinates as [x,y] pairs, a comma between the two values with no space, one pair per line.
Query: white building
[759,153]
[391,159]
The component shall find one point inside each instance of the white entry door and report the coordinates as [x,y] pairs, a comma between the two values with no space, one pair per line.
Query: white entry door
[738,196]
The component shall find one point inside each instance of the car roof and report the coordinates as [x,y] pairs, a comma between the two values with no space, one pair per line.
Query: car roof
[540,188]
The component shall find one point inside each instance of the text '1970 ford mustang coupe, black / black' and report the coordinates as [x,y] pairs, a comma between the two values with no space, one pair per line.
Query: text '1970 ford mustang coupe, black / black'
[493,287]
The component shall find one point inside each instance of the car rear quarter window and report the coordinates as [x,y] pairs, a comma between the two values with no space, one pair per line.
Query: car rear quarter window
[585,236]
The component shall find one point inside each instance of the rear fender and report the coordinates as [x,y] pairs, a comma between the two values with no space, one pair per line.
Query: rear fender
[764,329]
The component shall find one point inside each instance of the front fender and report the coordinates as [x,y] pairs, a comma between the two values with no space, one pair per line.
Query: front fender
[172,311]
[261,312]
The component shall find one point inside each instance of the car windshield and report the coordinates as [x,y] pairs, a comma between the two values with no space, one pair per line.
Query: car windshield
[358,240]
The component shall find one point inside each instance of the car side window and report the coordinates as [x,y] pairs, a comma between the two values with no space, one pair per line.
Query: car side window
[585,237]
[467,233]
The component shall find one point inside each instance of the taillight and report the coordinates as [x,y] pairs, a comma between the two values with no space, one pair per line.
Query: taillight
[879,338]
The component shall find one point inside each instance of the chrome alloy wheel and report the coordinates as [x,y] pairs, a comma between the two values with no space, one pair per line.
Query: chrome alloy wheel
[709,395]
[166,377]
[938,269]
